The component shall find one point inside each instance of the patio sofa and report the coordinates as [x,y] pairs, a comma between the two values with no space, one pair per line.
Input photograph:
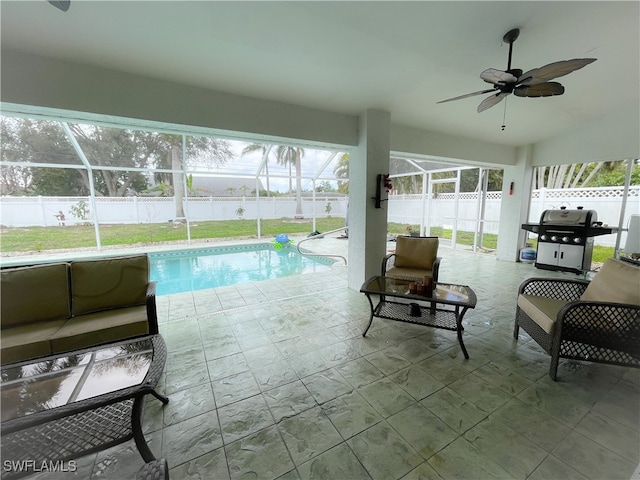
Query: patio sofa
[60,307]
[597,321]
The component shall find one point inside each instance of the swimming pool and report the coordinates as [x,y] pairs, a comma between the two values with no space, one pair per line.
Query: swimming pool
[188,270]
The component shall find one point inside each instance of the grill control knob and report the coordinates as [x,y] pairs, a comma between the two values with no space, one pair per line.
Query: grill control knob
[565,239]
[577,240]
[554,238]
[543,237]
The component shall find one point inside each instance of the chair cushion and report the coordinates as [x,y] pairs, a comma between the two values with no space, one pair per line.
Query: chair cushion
[34,294]
[542,310]
[101,327]
[416,274]
[617,282]
[416,252]
[106,283]
[32,340]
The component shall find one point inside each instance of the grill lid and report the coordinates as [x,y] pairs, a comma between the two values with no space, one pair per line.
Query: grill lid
[569,217]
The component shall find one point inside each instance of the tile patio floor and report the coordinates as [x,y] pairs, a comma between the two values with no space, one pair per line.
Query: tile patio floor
[274,380]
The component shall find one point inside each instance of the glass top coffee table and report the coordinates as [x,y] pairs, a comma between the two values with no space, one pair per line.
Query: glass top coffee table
[444,307]
[66,406]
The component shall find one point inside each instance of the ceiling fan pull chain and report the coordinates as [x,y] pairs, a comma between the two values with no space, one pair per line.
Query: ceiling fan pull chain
[504,115]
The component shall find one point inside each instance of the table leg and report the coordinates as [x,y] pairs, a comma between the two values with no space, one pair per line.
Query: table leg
[160,397]
[371,316]
[459,330]
[136,425]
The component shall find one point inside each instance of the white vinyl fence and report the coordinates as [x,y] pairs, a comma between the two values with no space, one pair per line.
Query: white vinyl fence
[441,211]
[406,209]
[43,211]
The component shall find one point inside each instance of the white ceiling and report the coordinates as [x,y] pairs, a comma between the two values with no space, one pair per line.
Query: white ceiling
[347,57]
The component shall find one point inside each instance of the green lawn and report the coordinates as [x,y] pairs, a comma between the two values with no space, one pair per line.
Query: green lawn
[36,239]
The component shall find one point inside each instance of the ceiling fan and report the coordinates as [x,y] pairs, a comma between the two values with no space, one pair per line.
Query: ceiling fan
[533,83]
[61,4]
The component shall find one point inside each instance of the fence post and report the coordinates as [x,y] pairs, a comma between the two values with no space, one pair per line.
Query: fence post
[44,213]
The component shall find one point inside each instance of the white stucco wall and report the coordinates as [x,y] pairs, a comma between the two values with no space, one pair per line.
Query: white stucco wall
[605,139]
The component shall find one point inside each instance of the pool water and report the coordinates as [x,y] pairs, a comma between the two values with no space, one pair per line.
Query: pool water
[188,270]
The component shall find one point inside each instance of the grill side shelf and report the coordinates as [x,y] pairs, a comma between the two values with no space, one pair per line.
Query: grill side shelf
[577,229]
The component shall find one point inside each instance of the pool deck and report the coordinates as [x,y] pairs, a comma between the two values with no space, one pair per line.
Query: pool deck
[273,380]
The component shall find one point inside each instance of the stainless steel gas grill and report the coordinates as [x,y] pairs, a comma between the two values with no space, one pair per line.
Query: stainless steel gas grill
[565,239]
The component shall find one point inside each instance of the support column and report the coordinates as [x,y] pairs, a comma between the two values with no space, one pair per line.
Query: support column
[367,224]
[514,208]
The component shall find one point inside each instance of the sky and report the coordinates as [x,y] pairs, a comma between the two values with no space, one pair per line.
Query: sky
[248,164]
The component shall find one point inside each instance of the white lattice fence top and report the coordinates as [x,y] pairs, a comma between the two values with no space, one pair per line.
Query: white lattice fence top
[594,192]
[597,192]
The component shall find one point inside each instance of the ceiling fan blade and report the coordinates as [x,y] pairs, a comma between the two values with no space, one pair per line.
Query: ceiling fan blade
[467,95]
[491,101]
[497,77]
[547,89]
[61,4]
[553,70]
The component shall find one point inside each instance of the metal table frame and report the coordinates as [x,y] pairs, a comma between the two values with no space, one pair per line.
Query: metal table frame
[87,426]
[430,315]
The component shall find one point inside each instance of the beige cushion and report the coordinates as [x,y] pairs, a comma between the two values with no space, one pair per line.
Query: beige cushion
[25,342]
[416,252]
[100,327]
[411,273]
[108,282]
[543,311]
[33,294]
[617,282]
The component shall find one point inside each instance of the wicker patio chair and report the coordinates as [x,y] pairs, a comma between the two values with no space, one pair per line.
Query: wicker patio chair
[154,470]
[597,321]
[414,259]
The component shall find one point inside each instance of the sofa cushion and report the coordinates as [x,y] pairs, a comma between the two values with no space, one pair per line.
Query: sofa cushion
[542,310]
[617,282]
[100,327]
[416,252]
[34,294]
[108,282]
[32,340]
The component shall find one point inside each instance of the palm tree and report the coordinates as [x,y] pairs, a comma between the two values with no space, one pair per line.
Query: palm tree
[293,156]
[265,150]
[341,171]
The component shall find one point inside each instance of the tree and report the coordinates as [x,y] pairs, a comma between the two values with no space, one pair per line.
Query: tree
[44,142]
[200,151]
[14,180]
[324,187]
[265,149]
[581,175]
[58,182]
[341,172]
[114,147]
[614,173]
[293,156]
[116,156]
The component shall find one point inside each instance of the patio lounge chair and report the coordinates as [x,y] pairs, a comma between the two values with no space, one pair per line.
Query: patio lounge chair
[415,258]
[597,321]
